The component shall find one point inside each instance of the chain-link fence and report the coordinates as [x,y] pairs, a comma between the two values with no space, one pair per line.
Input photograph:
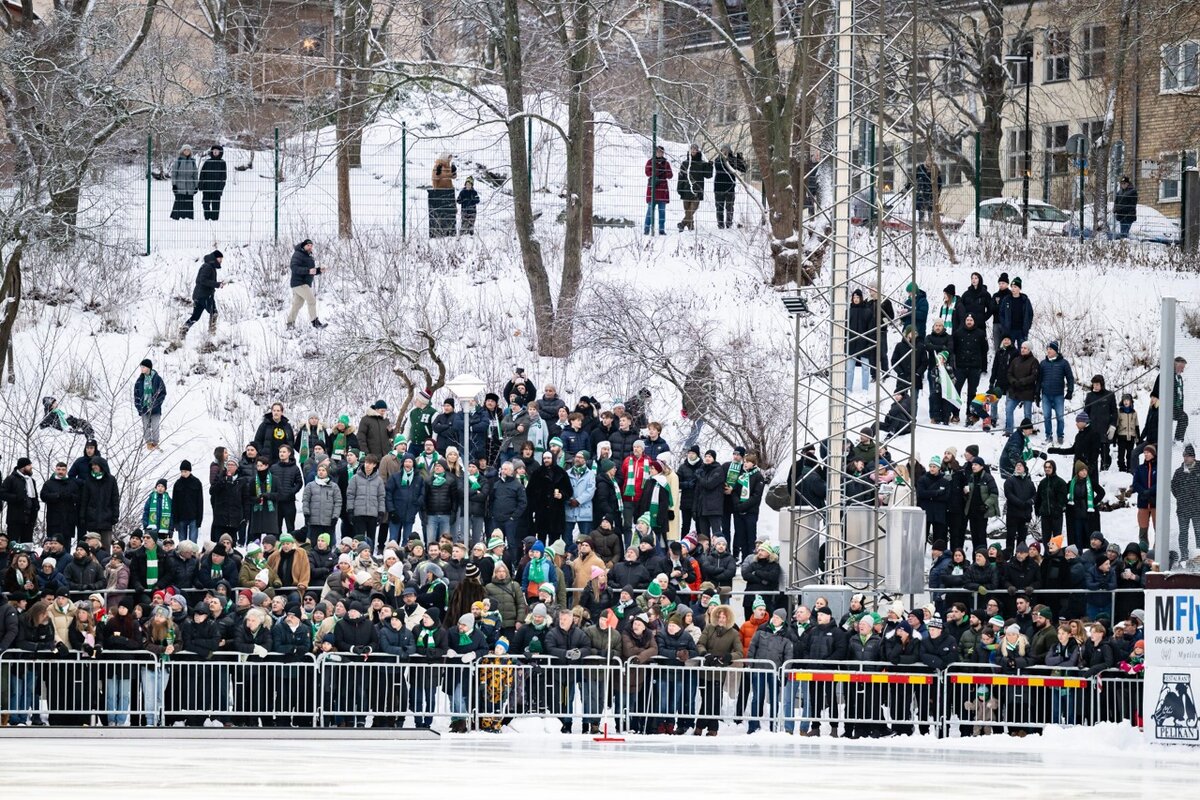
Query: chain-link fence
[416,177]
[1171,424]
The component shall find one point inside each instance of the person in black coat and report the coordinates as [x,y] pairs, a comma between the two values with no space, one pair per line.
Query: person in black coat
[901,363]
[212,182]
[99,501]
[934,495]
[710,496]
[187,503]
[861,337]
[303,270]
[1019,496]
[762,575]
[19,492]
[204,294]
[726,166]
[81,466]
[687,474]
[214,567]
[229,494]
[1101,406]
[1086,447]
[273,432]
[288,481]
[549,490]
[970,356]
[61,496]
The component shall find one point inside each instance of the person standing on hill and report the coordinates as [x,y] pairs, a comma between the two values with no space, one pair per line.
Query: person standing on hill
[690,187]
[658,190]
[1125,207]
[204,294]
[468,199]
[149,391]
[304,270]
[726,166]
[185,180]
[212,182]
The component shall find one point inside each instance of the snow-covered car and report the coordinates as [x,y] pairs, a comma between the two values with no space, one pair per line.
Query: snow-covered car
[1002,215]
[1151,226]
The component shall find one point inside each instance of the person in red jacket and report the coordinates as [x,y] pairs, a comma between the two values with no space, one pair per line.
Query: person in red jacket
[658,190]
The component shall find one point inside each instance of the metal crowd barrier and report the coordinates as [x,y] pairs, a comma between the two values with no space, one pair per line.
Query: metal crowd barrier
[52,688]
[871,698]
[664,695]
[981,699]
[510,687]
[382,691]
[667,696]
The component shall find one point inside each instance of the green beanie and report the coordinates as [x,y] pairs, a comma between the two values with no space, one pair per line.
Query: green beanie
[555,441]
[495,542]
[758,602]
[398,439]
[654,590]
[644,518]
[344,419]
[605,465]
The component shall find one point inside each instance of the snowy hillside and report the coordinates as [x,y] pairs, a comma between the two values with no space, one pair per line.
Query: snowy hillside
[91,318]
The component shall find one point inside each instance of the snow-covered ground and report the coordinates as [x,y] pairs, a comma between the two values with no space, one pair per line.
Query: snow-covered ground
[88,322]
[1062,765]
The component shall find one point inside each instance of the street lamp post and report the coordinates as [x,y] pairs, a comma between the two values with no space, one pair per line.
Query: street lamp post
[465,387]
[1025,58]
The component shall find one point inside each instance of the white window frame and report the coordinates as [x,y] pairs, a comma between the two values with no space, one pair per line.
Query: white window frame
[1170,180]
[1092,58]
[1016,69]
[1056,56]
[1089,126]
[1015,155]
[1051,154]
[1173,73]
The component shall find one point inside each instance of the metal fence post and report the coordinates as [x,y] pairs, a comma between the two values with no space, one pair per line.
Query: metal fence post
[149,177]
[1165,434]
[978,179]
[276,178]
[404,181]
[529,154]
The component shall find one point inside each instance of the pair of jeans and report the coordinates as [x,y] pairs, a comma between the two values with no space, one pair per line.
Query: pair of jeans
[863,363]
[400,531]
[1010,406]
[795,704]
[436,526]
[662,217]
[761,685]
[20,695]
[154,682]
[1053,405]
[117,690]
[188,530]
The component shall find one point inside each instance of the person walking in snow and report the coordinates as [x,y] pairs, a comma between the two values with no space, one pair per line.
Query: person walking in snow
[212,182]
[690,187]
[149,391]
[304,269]
[204,294]
[185,181]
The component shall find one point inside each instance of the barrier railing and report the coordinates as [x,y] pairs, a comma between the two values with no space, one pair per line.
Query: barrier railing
[867,699]
[981,698]
[871,698]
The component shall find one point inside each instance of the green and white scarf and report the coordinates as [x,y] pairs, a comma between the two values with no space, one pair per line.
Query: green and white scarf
[260,489]
[1091,499]
[473,482]
[631,473]
[339,445]
[427,638]
[617,492]
[744,482]
[661,488]
[946,313]
[580,471]
[731,474]
[61,416]
[159,514]
[429,459]
[438,479]
[406,477]
[151,568]
[538,570]
[148,391]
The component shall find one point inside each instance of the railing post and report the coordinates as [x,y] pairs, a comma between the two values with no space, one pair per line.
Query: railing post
[404,181]
[149,178]
[275,176]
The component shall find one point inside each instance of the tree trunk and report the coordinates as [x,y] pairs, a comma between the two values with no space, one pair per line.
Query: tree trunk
[588,167]
[10,306]
[64,213]
[509,57]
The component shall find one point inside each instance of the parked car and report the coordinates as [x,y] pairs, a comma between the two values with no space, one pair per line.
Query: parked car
[1002,215]
[1151,226]
[899,214]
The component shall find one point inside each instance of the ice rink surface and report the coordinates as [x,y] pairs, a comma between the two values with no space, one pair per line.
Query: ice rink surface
[1061,765]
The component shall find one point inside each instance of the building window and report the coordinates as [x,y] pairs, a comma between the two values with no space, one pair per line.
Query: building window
[1169,183]
[312,39]
[952,70]
[739,19]
[1091,51]
[1093,131]
[1020,72]
[1056,149]
[1057,58]
[1180,71]
[1018,145]
[949,163]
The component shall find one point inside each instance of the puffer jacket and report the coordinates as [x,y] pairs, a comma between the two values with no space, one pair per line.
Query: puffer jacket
[771,645]
[583,488]
[1023,377]
[720,568]
[322,504]
[671,647]
[507,598]
[365,495]
[723,644]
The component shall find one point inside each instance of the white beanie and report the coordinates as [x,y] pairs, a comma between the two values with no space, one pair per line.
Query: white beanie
[263,576]
[362,576]
[396,571]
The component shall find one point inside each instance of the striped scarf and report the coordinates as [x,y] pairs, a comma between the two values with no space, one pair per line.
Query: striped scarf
[660,488]
[260,489]
[151,568]
[946,313]
[1091,499]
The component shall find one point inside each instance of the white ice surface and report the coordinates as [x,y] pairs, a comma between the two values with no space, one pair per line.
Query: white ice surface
[1105,761]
